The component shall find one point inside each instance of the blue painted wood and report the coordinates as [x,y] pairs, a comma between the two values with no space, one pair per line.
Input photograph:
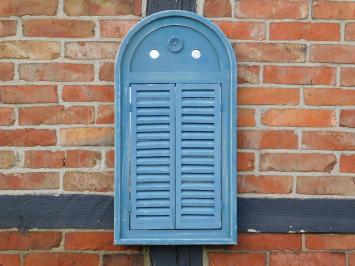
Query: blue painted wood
[135,69]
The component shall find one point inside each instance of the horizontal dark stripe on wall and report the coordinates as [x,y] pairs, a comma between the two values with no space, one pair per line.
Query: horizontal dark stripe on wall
[254,214]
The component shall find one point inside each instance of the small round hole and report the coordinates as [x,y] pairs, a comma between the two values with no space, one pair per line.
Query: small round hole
[154,54]
[196,54]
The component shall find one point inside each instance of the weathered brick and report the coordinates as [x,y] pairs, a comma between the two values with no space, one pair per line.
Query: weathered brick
[14,240]
[267,139]
[326,185]
[89,181]
[44,159]
[56,72]
[347,76]
[347,118]
[7,71]
[217,8]
[28,137]
[276,9]
[106,72]
[335,96]
[268,96]
[299,118]
[347,164]
[264,184]
[27,181]
[91,50]
[110,28]
[333,141]
[87,136]
[59,28]
[328,53]
[29,50]
[105,114]
[93,93]
[61,259]
[122,259]
[9,260]
[56,114]
[110,159]
[7,28]
[7,159]
[304,31]
[352,259]
[240,259]
[297,162]
[248,74]
[300,75]
[7,116]
[307,258]
[246,117]
[246,161]
[270,52]
[333,9]
[350,31]
[243,30]
[28,94]
[330,241]
[28,7]
[82,158]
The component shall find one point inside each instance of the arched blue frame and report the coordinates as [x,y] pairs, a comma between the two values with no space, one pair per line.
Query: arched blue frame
[135,71]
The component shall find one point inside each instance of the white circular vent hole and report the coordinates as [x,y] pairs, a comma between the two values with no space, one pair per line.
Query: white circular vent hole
[154,54]
[196,54]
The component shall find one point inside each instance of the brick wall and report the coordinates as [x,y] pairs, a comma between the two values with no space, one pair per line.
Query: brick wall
[296,119]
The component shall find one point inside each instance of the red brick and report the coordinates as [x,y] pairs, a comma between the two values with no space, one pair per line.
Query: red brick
[110,28]
[101,8]
[105,114]
[97,241]
[299,118]
[110,159]
[237,259]
[7,71]
[259,242]
[297,162]
[246,117]
[300,75]
[276,9]
[106,72]
[124,260]
[87,136]
[304,31]
[28,7]
[350,31]
[347,164]
[329,96]
[270,52]
[326,185]
[7,28]
[94,93]
[24,181]
[248,74]
[330,241]
[333,9]
[7,116]
[328,53]
[352,259]
[347,77]
[61,259]
[28,137]
[246,161]
[265,185]
[7,159]
[9,260]
[91,50]
[56,114]
[347,118]
[243,30]
[267,139]
[29,240]
[29,50]
[89,181]
[268,96]
[44,159]
[28,94]
[56,72]
[82,158]
[59,28]
[333,141]
[217,8]
[307,258]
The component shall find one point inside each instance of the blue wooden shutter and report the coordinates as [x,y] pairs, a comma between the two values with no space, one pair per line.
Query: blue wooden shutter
[198,156]
[152,156]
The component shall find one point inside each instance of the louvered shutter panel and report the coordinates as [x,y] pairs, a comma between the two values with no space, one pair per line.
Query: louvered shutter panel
[198,156]
[152,156]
